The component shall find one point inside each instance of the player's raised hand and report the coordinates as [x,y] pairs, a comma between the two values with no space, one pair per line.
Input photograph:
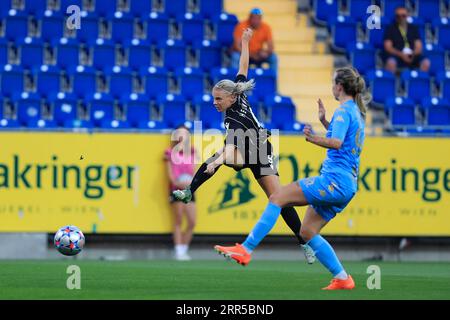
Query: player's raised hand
[321,110]
[307,130]
[247,35]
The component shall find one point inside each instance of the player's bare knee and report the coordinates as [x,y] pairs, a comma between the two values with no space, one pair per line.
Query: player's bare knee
[306,233]
[276,198]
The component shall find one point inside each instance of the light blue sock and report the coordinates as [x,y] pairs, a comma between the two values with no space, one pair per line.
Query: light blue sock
[262,227]
[325,254]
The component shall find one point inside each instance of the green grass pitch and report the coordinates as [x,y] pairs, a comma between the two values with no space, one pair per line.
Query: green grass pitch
[157,279]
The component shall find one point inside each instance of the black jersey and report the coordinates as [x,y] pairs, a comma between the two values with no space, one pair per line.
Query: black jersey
[246,133]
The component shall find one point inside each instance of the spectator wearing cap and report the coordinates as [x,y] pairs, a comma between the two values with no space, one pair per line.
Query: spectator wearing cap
[402,45]
[261,44]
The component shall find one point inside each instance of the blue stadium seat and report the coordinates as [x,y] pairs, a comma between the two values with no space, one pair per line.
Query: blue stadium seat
[16,25]
[31,52]
[52,25]
[295,127]
[358,9]
[64,107]
[401,111]
[3,51]
[28,106]
[324,10]
[9,123]
[156,81]
[89,31]
[376,36]
[114,124]
[443,82]
[120,80]
[191,81]
[122,25]
[210,8]
[428,9]
[140,7]
[104,54]
[157,25]
[388,8]
[5,6]
[361,56]
[437,111]
[417,84]
[64,4]
[33,6]
[173,53]
[67,52]
[420,24]
[175,7]
[266,81]
[41,124]
[138,108]
[442,30]
[209,54]
[343,31]
[83,80]
[192,26]
[105,8]
[1,107]
[218,74]
[139,53]
[152,125]
[206,112]
[101,108]
[47,79]
[78,124]
[382,84]
[436,54]
[281,110]
[12,79]
[173,109]
[225,24]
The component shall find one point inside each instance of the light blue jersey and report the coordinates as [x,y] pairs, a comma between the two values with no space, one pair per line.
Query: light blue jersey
[346,125]
[330,192]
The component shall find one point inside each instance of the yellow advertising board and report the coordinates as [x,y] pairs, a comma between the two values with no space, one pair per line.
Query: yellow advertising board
[116,183]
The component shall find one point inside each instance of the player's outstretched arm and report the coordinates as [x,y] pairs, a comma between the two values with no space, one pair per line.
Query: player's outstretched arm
[245,55]
[329,143]
[322,113]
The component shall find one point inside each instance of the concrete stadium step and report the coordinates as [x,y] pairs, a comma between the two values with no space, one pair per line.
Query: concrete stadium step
[307,108]
[300,75]
[305,61]
[282,47]
[295,35]
[272,6]
[308,90]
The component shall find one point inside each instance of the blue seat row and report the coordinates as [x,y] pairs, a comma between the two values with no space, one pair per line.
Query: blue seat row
[207,8]
[122,26]
[136,111]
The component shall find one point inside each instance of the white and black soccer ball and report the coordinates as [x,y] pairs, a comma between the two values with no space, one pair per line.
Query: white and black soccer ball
[69,240]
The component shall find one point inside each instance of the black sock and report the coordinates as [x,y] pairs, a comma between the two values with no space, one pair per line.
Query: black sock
[292,219]
[201,176]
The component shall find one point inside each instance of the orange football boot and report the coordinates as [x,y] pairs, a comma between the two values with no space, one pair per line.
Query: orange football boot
[237,253]
[338,284]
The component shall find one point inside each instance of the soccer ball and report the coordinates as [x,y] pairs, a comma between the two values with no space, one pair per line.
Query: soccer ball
[69,240]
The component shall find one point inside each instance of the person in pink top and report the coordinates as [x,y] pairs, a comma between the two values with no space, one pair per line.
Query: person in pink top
[180,163]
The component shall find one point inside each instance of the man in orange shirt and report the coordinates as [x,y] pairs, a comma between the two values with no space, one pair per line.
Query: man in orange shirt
[261,44]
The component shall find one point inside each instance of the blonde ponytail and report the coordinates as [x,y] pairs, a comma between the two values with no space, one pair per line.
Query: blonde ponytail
[236,88]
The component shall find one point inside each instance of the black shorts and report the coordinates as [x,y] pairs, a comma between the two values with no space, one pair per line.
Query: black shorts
[401,64]
[263,167]
[173,200]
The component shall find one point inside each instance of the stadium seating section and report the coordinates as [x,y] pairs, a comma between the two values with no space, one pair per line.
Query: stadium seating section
[133,64]
[412,99]
[143,64]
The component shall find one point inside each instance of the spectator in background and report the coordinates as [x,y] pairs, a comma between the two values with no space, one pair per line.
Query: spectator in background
[402,45]
[180,170]
[261,44]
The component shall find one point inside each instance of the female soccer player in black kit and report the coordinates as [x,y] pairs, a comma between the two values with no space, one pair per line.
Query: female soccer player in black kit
[246,143]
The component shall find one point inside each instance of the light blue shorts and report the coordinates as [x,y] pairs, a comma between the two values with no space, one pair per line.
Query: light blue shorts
[328,194]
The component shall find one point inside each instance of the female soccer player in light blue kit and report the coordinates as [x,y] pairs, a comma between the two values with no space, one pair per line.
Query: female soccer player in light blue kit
[331,191]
